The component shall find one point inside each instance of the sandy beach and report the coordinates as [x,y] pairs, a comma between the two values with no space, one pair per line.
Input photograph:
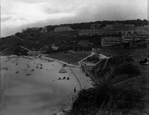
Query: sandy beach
[35,86]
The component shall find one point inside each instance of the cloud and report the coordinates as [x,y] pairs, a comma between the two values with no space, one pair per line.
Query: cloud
[29,1]
[5,19]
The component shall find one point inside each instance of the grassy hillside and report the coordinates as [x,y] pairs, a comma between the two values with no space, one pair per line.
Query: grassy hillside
[36,40]
[121,88]
[69,57]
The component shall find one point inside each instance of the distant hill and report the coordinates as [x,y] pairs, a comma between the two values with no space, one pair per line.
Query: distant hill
[33,38]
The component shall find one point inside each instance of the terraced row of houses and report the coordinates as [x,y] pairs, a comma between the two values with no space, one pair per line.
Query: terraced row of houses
[127,33]
[110,34]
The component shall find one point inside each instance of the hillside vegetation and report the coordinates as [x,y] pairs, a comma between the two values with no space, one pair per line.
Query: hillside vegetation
[35,39]
[119,89]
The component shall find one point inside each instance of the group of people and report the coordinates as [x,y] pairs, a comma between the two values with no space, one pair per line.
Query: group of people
[67,78]
[5,68]
[39,65]
[28,66]
[145,61]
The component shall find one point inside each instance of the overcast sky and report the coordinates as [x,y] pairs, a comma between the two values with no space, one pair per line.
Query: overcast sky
[19,14]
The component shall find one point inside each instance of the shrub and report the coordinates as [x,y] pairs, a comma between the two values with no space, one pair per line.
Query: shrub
[129,59]
[105,97]
[126,68]
[109,99]
[93,58]
[117,60]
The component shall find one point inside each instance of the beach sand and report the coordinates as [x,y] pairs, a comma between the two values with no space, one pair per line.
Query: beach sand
[29,89]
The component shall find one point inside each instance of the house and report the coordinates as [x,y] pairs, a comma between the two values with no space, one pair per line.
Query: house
[108,27]
[142,35]
[95,26]
[95,49]
[138,43]
[89,32]
[85,32]
[118,28]
[44,49]
[84,43]
[128,38]
[55,47]
[142,32]
[88,65]
[124,31]
[110,40]
[139,29]
[63,28]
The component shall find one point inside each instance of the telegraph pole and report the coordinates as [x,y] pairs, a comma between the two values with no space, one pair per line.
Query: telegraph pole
[0,83]
[148,56]
[147,74]
[0,71]
[73,46]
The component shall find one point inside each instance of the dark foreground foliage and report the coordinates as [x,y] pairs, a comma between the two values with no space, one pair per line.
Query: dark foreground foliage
[105,98]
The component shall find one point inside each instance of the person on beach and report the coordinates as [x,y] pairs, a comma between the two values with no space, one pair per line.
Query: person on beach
[6,68]
[145,61]
[75,90]
[28,65]
[32,69]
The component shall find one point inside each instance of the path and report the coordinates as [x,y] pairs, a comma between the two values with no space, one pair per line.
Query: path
[86,81]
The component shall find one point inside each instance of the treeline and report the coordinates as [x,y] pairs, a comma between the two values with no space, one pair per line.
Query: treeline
[99,24]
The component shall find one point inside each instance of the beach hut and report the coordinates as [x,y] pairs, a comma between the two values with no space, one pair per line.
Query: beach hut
[62,70]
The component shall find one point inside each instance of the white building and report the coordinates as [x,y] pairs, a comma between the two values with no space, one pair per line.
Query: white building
[142,32]
[110,40]
[142,36]
[119,28]
[89,32]
[55,47]
[87,65]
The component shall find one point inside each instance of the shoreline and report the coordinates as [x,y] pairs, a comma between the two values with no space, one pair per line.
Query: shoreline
[31,60]
[71,66]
